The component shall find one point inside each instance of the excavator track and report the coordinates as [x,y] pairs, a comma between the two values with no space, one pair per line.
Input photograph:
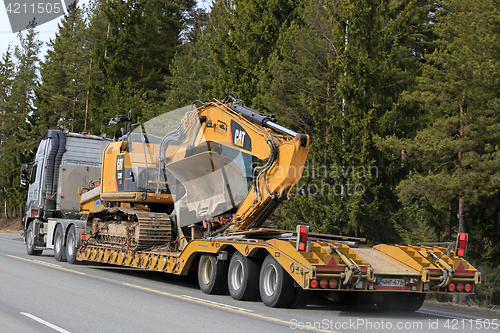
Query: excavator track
[128,228]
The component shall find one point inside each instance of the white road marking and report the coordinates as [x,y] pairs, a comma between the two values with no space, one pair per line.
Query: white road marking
[46,323]
[216,303]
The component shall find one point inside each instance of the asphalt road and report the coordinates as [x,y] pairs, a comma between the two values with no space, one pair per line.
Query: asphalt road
[38,294]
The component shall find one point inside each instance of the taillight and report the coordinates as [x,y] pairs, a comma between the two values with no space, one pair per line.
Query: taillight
[323,283]
[451,287]
[314,283]
[332,284]
[461,245]
[460,287]
[302,233]
[468,287]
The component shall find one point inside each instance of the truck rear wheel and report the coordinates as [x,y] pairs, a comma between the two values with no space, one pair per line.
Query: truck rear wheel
[30,241]
[59,248]
[243,277]
[71,245]
[212,274]
[275,284]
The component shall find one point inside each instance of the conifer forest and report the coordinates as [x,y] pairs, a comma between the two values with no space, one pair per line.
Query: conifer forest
[401,100]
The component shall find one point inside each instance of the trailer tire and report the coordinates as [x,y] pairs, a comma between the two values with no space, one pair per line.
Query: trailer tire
[71,245]
[30,241]
[212,275]
[415,301]
[243,278]
[275,284]
[59,248]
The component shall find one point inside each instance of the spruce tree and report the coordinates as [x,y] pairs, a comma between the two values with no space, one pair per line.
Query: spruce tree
[342,68]
[17,136]
[244,36]
[454,160]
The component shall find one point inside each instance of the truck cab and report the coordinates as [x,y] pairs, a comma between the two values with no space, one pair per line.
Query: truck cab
[64,163]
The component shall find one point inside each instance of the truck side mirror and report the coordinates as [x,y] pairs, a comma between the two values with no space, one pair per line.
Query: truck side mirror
[24,174]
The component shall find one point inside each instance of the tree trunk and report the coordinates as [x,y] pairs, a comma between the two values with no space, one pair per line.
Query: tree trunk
[88,94]
[461,218]
[74,110]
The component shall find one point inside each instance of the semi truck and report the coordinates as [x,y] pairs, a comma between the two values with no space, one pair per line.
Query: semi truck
[192,191]
[64,163]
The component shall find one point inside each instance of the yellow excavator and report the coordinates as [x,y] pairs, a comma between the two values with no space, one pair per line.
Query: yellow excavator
[224,168]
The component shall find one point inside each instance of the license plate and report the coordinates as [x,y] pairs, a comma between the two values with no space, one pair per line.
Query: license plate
[392,283]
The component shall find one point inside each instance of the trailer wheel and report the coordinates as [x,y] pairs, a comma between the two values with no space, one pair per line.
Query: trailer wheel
[71,245]
[415,301]
[212,275]
[59,248]
[243,277]
[30,241]
[275,284]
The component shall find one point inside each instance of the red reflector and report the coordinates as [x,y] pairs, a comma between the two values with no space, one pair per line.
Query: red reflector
[451,287]
[314,283]
[462,244]
[303,229]
[468,287]
[460,252]
[323,283]
[302,246]
[84,237]
[303,238]
[82,231]
[460,287]
[332,284]
[462,237]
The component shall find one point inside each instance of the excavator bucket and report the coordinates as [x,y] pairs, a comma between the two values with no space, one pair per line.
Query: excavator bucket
[212,183]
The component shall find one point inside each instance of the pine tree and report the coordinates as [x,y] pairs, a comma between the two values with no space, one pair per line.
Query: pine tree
[192,66]
[61,98]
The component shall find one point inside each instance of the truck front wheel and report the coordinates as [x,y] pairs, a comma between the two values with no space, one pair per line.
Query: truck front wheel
[212,274]
[275,284]
[71,245]
[30,241]
[59,248]
[243,277]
